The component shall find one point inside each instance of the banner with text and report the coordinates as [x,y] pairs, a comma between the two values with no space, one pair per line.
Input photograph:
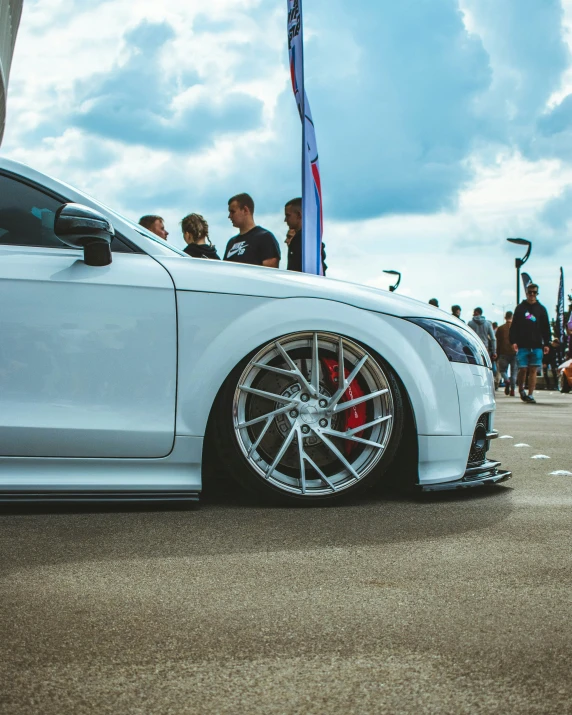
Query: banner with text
[312,222]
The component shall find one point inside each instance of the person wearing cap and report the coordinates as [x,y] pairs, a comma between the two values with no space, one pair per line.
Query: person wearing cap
[530,337]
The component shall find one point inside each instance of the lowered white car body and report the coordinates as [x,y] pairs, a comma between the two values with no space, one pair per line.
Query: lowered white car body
[117,377]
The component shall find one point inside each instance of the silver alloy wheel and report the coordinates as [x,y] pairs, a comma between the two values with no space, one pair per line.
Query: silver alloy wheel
[290,413]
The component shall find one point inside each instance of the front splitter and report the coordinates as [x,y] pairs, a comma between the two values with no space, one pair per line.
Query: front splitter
[486,473]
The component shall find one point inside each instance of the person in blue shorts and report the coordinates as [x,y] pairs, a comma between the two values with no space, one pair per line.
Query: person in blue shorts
[530,336]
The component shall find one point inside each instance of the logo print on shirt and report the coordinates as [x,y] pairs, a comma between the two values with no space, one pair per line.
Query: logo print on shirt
[238,249]
[529,316]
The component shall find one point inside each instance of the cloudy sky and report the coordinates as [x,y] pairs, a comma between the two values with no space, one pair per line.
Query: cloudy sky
[443,126]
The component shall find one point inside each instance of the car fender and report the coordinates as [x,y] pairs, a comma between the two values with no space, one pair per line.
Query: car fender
[217,331]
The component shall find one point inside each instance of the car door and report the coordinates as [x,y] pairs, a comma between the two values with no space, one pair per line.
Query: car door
[87,353]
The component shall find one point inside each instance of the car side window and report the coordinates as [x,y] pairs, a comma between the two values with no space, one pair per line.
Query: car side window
[27,218]
[26,215]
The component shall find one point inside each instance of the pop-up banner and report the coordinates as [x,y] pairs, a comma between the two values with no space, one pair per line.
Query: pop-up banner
[312,224]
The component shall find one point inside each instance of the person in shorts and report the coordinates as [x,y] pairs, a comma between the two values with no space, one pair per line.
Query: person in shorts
[530,335]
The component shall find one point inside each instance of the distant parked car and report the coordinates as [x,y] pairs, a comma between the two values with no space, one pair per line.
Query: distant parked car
[565,376]
[124,363]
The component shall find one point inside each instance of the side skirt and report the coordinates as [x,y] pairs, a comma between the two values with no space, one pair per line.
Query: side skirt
[173,477]
[98,496]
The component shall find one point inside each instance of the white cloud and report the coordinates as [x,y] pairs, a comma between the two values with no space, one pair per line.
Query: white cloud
[469,294]
[452,247]
[566,82]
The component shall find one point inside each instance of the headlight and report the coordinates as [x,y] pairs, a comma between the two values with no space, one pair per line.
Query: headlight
[459,345]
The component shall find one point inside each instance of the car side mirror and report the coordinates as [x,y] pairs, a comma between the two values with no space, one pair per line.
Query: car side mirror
[82,227]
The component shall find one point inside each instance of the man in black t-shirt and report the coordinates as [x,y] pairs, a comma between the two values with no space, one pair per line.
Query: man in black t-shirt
[530,335]
[254,245]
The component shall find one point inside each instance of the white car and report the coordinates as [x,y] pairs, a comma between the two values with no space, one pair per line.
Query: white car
[124,364]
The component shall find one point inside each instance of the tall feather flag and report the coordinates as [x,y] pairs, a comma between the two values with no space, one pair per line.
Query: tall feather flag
[526,280]
[312,220]
[560,309]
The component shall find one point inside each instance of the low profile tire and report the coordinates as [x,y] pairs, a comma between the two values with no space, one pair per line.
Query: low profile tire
[293,427]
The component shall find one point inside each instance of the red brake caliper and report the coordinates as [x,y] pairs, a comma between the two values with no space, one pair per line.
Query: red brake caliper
[354,416]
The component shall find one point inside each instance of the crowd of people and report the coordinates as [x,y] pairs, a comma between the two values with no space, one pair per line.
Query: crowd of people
[521,346]
[253,245]
[518,348]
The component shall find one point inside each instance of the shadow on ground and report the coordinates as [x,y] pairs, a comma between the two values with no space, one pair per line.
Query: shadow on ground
[232,522]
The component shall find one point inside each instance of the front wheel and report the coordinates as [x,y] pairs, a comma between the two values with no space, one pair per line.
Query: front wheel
[311,417]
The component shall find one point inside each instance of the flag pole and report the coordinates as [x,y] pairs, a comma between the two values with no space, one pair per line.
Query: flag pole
[304,149]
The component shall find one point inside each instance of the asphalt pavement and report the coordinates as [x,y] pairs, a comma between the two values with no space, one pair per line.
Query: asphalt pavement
[446,603]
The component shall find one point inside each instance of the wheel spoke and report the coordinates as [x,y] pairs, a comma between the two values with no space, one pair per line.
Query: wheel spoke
[358,400]
[268,395]
[338,454]
[295,371]
[315,364]
[351,438]
[341,358]
[278,370]
[351,377]
[287,442]
[322,475]
[346,381]
[301,455]
[256,420]
[360,428]
[260,437]
[342,386]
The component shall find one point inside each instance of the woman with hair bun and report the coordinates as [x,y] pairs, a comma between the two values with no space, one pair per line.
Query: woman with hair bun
[196,234]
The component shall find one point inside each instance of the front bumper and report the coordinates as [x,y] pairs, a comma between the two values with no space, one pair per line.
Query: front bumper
[479,473]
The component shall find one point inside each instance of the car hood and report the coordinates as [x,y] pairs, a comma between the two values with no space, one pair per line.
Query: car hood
[197,274]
